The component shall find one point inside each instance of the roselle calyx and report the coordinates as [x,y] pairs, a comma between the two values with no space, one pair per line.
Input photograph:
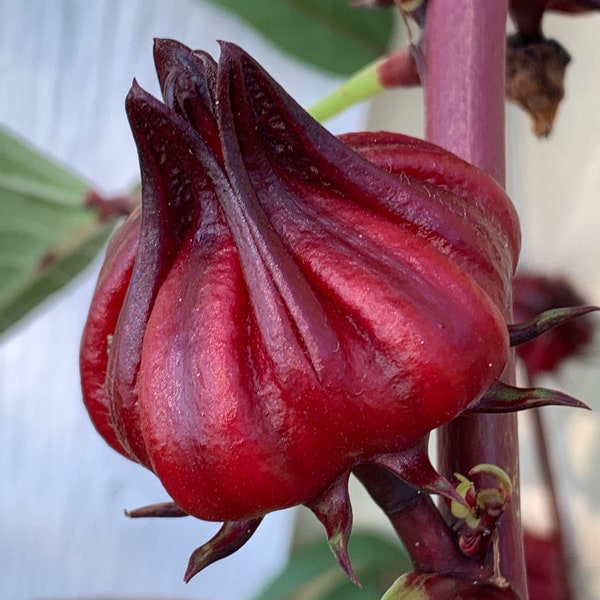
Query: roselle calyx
[287,305]
[536,294]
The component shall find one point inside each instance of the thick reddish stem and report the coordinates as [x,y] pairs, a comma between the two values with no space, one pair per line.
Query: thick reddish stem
[566,555]
[465,78]
[463,71]
[428,539]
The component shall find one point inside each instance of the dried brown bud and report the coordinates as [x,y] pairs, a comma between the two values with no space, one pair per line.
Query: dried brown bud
[535,72]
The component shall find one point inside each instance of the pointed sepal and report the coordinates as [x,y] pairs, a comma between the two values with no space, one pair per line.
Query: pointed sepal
[231,537]
[159,510]
[334,510]
[501,398]
[521,333]
[414,467]
[188,83]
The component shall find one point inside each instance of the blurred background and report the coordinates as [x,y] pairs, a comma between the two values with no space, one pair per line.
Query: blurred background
[65,68]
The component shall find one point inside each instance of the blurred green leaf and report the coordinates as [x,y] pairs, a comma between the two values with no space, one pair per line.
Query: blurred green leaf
[47,235]
[329,34]
[313,574]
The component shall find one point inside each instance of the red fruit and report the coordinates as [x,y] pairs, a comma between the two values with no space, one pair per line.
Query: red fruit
[299,304]
[534,294]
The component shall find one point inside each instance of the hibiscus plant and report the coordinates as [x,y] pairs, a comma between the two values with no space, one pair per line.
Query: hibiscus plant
[285,308]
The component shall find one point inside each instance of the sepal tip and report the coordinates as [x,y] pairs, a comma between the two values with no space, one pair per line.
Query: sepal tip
[159,510]
[502,398]
[231,537]
[334,510]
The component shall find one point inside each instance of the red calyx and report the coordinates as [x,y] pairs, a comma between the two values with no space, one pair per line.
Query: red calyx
[288,305]
[534,294]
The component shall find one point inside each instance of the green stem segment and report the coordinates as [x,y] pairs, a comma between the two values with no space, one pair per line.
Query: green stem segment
[394,70]
[359,87]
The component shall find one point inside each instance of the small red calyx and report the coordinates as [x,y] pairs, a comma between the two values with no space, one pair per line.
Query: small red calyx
[288,305]
[542,300]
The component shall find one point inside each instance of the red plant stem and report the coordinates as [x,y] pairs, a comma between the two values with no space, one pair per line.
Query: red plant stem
[464,80]
[463,74]
[429,541]
[543,454]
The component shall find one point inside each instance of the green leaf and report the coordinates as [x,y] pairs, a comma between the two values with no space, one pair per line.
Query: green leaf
[47,234]
[329,34]
[313,574]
